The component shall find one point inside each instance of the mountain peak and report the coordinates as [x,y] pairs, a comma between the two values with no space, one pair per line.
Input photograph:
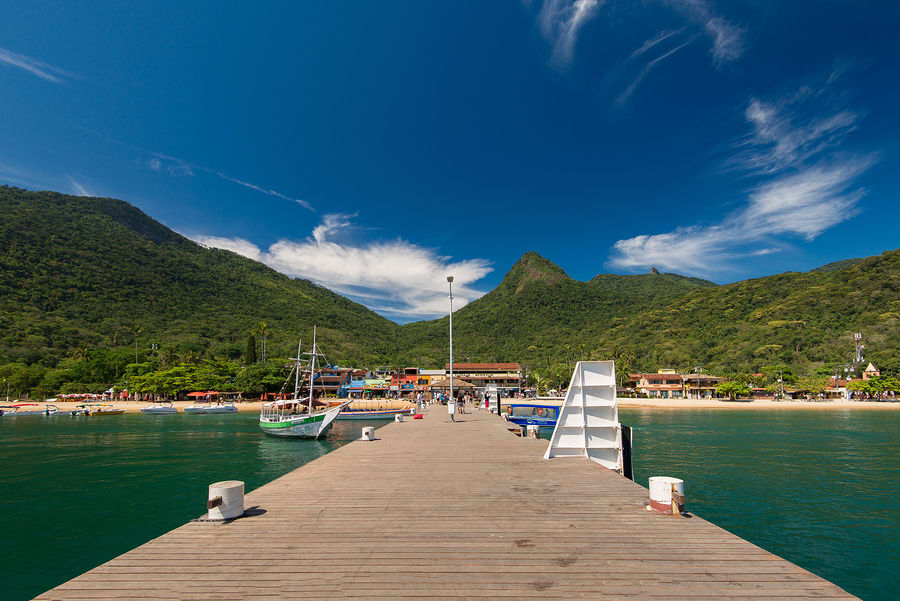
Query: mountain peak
[532,267]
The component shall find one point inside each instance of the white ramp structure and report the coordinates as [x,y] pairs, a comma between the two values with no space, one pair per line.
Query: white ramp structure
[588,424]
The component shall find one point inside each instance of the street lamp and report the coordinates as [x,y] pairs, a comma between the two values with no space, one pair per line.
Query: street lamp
[450,283]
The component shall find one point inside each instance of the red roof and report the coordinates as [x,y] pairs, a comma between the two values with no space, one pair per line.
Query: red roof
[486,366]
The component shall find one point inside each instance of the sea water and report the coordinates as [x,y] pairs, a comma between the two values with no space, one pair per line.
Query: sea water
[815,487]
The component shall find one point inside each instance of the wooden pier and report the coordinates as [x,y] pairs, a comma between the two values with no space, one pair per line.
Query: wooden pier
[440,510]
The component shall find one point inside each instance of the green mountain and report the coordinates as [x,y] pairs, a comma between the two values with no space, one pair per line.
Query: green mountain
[538,309]
[541,317]
[86,272]
[92,276]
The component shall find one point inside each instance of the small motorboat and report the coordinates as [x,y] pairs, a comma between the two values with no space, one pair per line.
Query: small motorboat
[202,407]
[96,409]
[160,408]
[533,414]
[20,409]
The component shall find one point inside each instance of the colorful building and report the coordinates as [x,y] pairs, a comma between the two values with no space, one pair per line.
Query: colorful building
[507,377]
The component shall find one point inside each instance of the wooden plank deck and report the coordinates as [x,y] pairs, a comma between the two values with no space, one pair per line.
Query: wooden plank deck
[434,509]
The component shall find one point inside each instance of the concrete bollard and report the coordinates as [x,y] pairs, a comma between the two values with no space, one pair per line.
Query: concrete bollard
[532,431]
[667,495]
[368,433]
[398,418]
[226,500]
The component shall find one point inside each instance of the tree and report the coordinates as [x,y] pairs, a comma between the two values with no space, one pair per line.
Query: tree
[733,390]
[250,356]
[812,385]
[263,330]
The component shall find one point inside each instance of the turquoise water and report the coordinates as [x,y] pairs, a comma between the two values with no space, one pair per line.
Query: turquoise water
[815,487]
[818,488]
[78,491]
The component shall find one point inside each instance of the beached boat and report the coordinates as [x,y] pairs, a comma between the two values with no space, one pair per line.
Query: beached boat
[299,417]
[533,414]
[160,408]
[204,407]
[20,409]
[372,409]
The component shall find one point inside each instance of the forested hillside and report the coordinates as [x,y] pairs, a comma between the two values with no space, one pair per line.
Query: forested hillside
[93,291]
[85,273]
[803,322]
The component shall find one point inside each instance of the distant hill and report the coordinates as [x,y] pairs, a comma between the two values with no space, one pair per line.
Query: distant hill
[78,271]
[538,309]
[654,321]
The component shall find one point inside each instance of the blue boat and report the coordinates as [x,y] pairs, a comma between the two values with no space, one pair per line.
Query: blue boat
[530,414]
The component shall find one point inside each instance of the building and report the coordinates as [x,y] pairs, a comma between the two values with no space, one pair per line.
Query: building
[700,386]
[507,377]
[664,384]
[427,376]
[871,372]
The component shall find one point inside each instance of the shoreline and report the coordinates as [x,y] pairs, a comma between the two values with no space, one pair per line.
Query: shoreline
[677,404]
[754,404]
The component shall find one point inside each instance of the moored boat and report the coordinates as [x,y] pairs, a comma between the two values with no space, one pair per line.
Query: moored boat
[371,409]
[20,409]
[533,414]
[299,417]
[204,407]
[96,409]
[160,408]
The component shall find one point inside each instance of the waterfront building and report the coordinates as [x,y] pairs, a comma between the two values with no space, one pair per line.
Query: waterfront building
[700,386]
[871,372]
[664,384]
[667,384]
[427,376]
[507,377]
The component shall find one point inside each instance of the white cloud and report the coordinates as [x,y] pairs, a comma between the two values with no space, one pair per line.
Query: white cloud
[268,191]
[561,21]
[807,194]
[396,278]
[34,66]
[237,245]
[803,204]
[648,66]
[79,189]
[727,38]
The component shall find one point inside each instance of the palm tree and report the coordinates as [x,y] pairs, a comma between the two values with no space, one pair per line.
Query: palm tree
[263,331]
[137,332]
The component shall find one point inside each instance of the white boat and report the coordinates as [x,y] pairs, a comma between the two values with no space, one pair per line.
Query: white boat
[299,417]
[160,408]
[207,407]
[20,409]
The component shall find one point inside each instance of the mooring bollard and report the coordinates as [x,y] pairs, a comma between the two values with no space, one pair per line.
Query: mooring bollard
[532,431]
[505,415]
[667,495]
[398,418]
[368,433]
[226,500]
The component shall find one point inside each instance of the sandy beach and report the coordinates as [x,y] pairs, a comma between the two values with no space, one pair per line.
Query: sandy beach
[749,405]
[254,406]
[135,406]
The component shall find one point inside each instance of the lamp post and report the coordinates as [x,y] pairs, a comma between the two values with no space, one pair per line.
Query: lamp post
[450,283]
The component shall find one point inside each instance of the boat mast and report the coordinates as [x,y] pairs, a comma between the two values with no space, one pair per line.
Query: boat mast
[297,373]
[312,370]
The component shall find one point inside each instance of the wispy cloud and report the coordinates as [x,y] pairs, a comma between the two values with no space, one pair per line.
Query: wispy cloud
[561,22]
[728,42]
[34,66]
[263,190]
[648,66]
[809,190]
[79,189]
[395,278]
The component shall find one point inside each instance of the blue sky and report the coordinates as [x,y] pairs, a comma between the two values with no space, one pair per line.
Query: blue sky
[376,147]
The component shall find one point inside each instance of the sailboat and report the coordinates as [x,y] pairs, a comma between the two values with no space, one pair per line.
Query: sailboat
[297,417]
